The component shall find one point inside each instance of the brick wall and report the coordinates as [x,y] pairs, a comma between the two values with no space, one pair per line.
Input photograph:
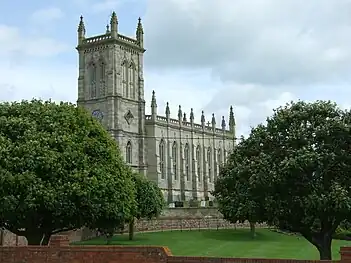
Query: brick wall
[59,251]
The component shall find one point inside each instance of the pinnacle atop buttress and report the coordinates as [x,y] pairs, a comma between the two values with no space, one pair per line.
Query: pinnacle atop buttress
[231,120]
[223,123]
[203,118]
[191,115]
[180,113]
[114,25]
[140,33]
[153,104]
[81,31]
[168,112]
[213,121]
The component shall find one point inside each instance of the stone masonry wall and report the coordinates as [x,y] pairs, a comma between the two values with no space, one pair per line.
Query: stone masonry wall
[170,219]
[59,251]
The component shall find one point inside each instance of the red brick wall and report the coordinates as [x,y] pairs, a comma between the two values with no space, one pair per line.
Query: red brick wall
[59,251]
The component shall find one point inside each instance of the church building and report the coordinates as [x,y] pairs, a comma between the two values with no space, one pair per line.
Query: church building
[181,156]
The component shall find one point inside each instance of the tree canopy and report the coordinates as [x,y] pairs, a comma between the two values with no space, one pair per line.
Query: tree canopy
[149,200]
[59,170]
[298,165]
[235,201]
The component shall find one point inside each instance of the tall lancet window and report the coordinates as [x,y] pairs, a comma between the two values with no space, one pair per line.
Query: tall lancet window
[175,160]
[102,78]
[198,159]
[225,156]
[204,171]
[125,78]
[93,74]
[162,159]
[129,152]
[131,80]
[187,161]
[219,160]
[209,162]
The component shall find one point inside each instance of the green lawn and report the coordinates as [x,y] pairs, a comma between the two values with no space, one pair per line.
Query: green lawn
[226,243]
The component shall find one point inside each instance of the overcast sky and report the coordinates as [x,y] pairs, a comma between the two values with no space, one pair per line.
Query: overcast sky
[207,54]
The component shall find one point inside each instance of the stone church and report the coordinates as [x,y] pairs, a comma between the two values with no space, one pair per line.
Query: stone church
[181,156]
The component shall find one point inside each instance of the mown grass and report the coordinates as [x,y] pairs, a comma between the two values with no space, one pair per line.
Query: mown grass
[226,243]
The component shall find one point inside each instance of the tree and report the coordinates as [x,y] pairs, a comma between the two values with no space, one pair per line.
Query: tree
[149,200]
[301,170]
[235,201]
[60,170]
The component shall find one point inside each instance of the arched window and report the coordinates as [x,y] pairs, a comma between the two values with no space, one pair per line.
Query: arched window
[131,80]
[209,162]
[93,80]
[129,152]
[187,161]
[102,78]
[198,159]
[162,158]
[219,156]
[175,159]
[125,78]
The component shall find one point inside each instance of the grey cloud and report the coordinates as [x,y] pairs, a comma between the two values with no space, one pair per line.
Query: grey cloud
[269,42]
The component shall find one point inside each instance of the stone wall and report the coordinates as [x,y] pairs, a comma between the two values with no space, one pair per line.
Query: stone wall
[59,251]
[171,219]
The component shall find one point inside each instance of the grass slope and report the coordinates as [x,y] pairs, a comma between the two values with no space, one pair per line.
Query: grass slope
[226,243]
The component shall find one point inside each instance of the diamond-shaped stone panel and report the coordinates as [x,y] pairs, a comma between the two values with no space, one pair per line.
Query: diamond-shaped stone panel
[129,117]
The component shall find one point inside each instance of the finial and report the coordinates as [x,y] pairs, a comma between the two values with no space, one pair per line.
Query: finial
[180,114]
[213,120]
[208,123]
[81,27]
[107,28]
[184,117]
[168,112]
[223,123]
[191,115]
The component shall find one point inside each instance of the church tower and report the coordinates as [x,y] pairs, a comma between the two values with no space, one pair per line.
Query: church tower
[111,86]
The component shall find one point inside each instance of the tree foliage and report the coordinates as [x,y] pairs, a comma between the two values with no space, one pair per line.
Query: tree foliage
[149,201]
[299,167]
[59,170]
[235,201]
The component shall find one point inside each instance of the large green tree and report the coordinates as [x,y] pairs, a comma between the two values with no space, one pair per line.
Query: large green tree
[300,167]
[59,170]
[235,201]
[149,201]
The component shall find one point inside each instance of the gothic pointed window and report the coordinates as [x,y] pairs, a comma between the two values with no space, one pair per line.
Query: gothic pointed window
[198,159]
[93,74]
[162,159]
[209,162]
[129,152]
[125,78]
[204,171]
[175,159]
[102,78]
[131,80]
[187,161]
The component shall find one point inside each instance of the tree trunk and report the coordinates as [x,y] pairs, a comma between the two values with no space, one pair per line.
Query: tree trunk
[322,241]
[131,229]
[46,239]
[324,247]
[252,229]
[34,239]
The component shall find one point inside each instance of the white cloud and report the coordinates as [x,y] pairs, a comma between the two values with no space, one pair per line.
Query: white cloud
[258,54]
[46,15]
[15,44]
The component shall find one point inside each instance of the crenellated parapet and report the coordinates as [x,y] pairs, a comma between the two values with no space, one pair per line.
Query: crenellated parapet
[183,122]
[111,35]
